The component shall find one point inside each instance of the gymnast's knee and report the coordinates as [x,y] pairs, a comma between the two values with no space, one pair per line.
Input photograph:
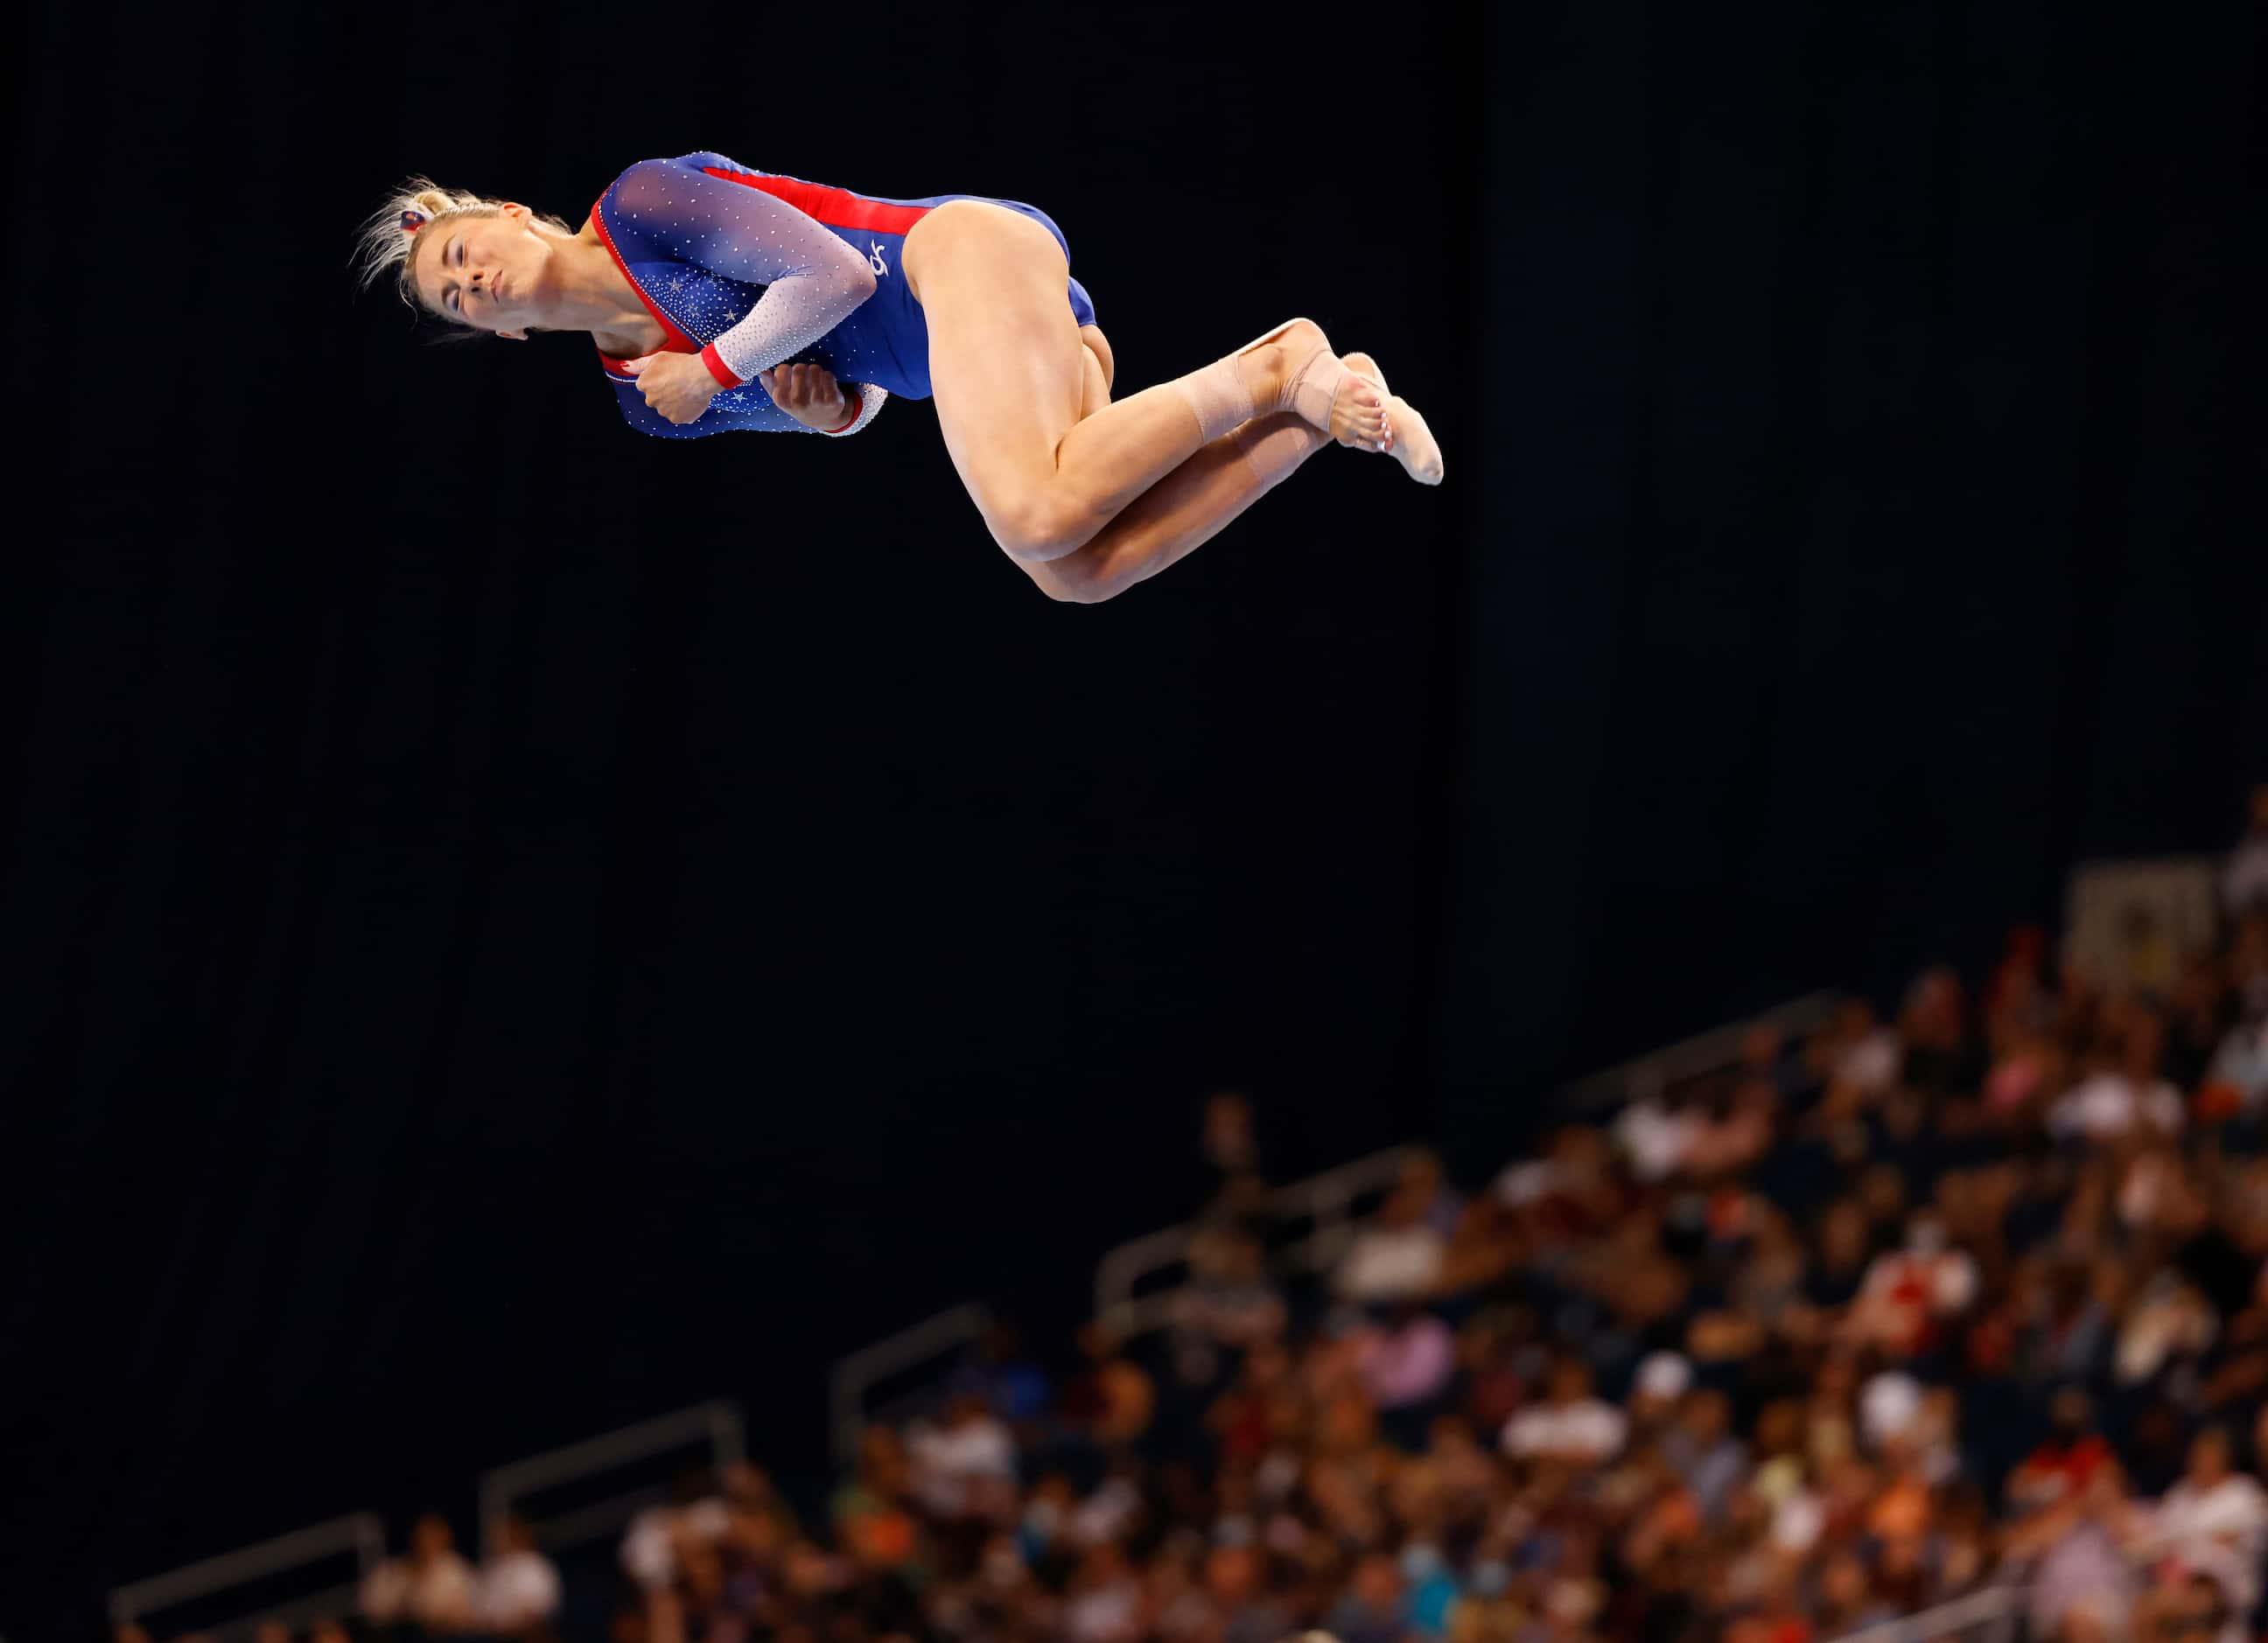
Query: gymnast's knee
[1072,581]
[1042,525]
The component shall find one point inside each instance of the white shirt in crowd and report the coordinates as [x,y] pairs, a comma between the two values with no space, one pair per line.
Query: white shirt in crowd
[1392,1263]
[518,1588]
[1657,1139]
[2110,1105]
[949,1460]
[2233,1514]
[442,1594]
[1105,1614]
[648,1556]
[1583,1432]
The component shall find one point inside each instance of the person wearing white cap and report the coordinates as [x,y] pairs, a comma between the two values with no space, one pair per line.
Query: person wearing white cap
[1663,1378]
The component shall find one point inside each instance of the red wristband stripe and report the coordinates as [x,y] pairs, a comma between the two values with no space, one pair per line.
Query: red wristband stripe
[719,369]
[856,405]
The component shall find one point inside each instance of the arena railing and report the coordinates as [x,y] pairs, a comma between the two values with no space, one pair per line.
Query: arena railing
[1330,1206]
[853,1382]
[1994,1614]
[716,1425]
[1325,1203]
[1129,1301]
[362,1534]
[1716,1050]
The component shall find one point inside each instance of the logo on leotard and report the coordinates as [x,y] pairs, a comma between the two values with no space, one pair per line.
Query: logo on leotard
[875,258]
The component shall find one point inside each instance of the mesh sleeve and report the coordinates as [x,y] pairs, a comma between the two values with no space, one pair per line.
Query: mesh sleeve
[811,280]
[870,405]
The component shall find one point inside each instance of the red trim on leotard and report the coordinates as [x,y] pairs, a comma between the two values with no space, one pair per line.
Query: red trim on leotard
[838,207]
[678,343]
[857,404]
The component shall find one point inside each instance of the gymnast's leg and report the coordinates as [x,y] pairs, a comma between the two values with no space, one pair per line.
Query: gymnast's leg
[1009,373]
[1189,506]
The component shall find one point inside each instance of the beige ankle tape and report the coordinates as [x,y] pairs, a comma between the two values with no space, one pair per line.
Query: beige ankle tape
[1315,386]
[1219,396]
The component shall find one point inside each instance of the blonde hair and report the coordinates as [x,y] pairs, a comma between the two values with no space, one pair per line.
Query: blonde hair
[385,246]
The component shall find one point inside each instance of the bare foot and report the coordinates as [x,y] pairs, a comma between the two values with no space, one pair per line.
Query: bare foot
[1293,369]
[1408,440]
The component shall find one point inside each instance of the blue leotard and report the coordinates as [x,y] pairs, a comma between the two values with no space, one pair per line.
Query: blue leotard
[751,269]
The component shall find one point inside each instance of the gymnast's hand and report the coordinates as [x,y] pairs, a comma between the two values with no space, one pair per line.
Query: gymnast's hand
[677,386]
[809,394]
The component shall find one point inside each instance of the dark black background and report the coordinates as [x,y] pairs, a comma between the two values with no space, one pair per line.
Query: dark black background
[511,927]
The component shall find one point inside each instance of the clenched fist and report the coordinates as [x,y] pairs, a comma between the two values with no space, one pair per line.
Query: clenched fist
[809,394]
[677,386]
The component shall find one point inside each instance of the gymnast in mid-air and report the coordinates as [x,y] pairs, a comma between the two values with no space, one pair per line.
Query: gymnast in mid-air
[723,299]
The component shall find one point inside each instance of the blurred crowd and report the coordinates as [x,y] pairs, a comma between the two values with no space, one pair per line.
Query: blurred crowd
[1970,1293]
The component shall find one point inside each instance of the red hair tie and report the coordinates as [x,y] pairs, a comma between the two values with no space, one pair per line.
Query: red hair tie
[412,221]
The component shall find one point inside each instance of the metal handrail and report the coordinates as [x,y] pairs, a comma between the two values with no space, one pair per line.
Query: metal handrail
[1327,1197]
[1720,1047]
[854,1377]
[361,1533]
[719,1421]
[1994,1602]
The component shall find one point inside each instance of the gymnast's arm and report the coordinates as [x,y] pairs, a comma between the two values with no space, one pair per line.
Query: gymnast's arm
[812,281]
[820,406]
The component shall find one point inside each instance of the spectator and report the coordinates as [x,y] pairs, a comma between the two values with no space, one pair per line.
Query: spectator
[1707,1457]
[518,1587]
[1372,1611]
[872,1517]
[1570,1426]
[1424,1178]
[1910,1294]
[659,1538]
[1106,1602]
[2121,1097]
[1662,1379]
[1399,1258]
[2065,1462]
[2244,885]
[1776,1270]
[1247,1612]
[2240,1066]
[1859,1052]
[1408,1361]
[1657,1138]
[1229,1302]
[1238,1196]
[432,1590]
[963,1465]
[2082,1587]
[2216,1507]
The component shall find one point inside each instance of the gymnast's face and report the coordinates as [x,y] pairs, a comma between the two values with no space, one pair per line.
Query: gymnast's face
[486,272]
